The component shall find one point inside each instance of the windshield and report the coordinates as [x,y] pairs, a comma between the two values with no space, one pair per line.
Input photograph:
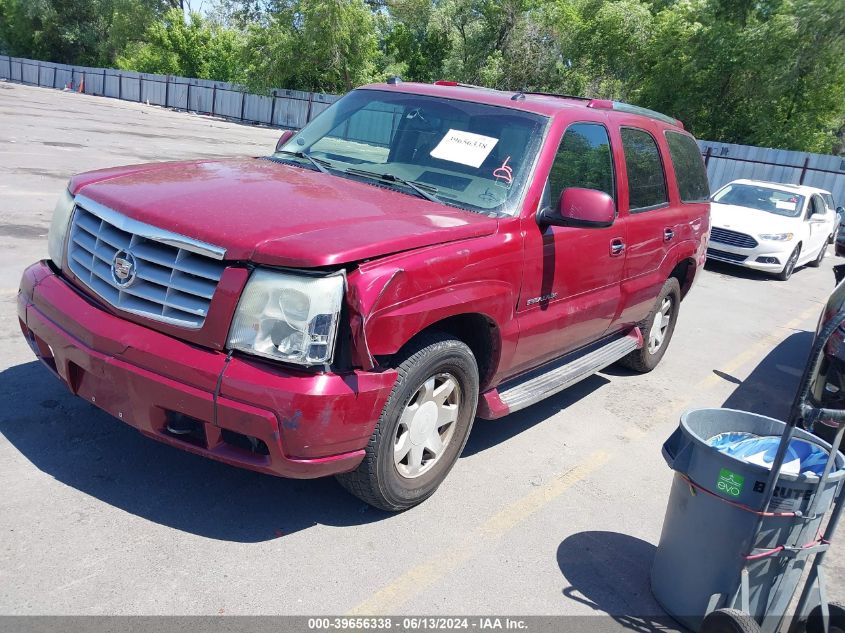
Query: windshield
[465,154]
[761,198]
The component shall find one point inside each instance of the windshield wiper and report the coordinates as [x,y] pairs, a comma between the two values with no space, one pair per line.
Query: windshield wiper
[419,190]
[319,163]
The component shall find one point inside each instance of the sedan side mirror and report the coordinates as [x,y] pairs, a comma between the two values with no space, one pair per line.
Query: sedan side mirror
[588,208]
[284,138]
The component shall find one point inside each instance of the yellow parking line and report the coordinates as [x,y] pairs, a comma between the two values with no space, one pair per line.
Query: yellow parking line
[400,590]
[386,600]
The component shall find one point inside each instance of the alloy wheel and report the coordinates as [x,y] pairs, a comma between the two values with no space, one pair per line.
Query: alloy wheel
[660,325]
[427,425]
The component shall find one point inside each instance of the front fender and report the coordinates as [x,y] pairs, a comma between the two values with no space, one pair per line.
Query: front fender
[389,328]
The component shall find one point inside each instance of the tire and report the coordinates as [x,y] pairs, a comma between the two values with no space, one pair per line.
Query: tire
[818,260]
[789,266]
[837,619]
[645,359]
[729,621]
[410,421]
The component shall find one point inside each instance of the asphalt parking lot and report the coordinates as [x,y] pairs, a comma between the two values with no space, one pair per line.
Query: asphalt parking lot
[554,510]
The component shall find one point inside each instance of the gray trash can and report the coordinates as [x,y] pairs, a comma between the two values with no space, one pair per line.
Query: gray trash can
[713,511]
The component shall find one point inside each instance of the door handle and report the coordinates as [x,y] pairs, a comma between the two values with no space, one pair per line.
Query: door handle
[668,234]
[617,247]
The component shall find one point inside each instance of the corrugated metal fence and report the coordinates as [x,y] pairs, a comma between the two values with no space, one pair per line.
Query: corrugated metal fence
[293,109]
[282,108]
[726,162]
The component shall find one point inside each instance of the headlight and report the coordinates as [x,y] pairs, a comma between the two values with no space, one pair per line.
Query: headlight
[58,228]
[777,237]
[292,318]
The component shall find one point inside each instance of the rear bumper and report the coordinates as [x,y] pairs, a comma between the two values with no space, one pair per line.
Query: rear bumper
[310,425]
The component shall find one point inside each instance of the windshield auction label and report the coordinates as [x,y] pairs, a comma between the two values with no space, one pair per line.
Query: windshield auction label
[465,148]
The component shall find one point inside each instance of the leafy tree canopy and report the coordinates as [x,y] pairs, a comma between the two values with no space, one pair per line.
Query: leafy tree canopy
[761,72]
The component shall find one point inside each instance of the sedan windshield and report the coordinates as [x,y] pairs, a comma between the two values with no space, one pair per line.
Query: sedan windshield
[761,198]
[464,154]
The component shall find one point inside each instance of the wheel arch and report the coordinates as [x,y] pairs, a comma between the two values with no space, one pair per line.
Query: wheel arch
[477,331]
[684,271]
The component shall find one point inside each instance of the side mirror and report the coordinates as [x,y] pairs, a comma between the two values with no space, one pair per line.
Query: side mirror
[284,138]
[587,208]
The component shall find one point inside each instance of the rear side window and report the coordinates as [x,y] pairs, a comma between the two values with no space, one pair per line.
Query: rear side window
[646,182]
[583,160]
[689,167]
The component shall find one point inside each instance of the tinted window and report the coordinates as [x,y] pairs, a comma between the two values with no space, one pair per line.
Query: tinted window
[583,160]
[816,206]
[828,200]
[689,167]
[646,184]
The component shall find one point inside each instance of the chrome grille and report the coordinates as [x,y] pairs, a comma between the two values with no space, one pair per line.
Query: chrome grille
[174,276]
[733,238]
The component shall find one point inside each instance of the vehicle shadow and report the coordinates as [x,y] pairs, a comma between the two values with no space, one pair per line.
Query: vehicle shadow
[729,270]
[770,388]
[89,450]
[488,433]
[609,573]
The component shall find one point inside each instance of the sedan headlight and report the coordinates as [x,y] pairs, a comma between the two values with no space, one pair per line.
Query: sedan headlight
[777,237]
[56,238]
[292,318]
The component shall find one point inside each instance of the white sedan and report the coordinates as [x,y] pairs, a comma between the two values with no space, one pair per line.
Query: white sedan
[768,226]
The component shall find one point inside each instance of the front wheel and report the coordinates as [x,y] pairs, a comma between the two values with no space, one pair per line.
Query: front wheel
[423,427]
[657,329]
[789,266]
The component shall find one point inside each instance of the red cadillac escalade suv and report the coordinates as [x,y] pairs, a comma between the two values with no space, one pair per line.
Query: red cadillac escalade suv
[415,257]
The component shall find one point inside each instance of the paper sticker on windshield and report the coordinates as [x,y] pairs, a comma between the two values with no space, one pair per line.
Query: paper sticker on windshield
[786,205]
[465,148]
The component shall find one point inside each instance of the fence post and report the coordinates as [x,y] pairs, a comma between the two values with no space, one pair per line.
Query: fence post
[804,170]
[120,86]
[55,72]
[707,155]
[166,90]
[310,104]
[104,81]
[140,89]
[273,109]
[72,76]
[188,99]
[38,81]
[213,98]
[243,104]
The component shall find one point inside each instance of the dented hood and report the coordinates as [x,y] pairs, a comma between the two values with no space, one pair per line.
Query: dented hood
[277,214]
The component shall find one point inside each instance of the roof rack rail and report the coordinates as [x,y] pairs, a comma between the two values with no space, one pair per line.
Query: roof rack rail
[458,84]
[555,94]
[619,106]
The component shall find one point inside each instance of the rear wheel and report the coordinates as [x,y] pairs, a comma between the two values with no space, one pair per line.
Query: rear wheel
[657,329]
[729,621]
[423,427]
[789,266]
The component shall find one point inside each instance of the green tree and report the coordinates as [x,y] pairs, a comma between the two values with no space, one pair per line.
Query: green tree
[191,47]
[318,45]
[89,32]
